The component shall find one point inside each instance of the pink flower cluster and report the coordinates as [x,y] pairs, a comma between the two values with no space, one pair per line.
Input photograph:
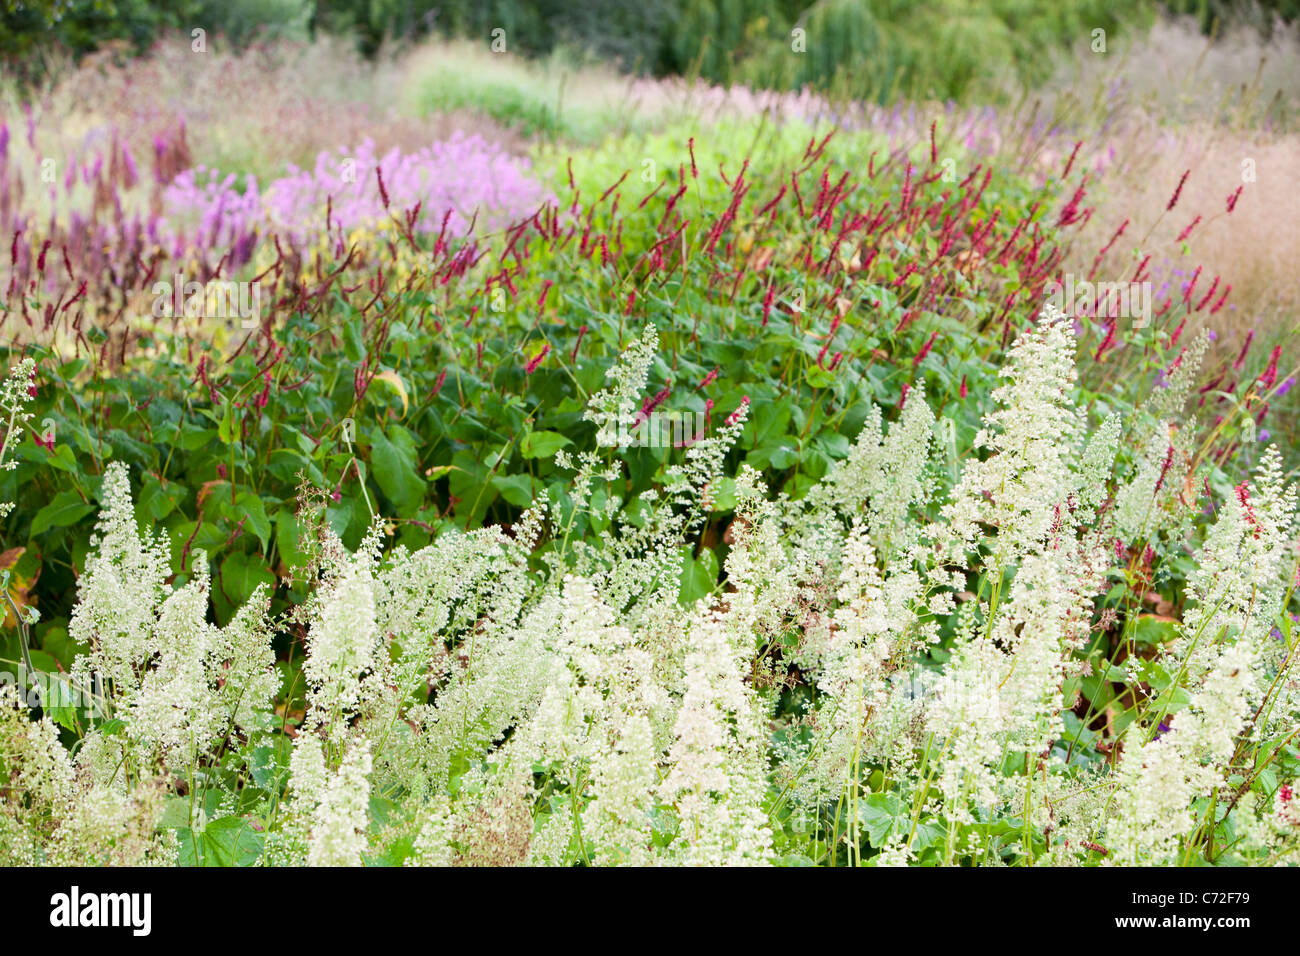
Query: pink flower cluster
[464,179]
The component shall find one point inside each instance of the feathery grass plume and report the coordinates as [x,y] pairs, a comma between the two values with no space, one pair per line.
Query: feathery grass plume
[1094,471]
[1168,401]
[343,639]
[1000,694]
[1242,575]
[179,683]
[38,777]
[882,622]
[614,409]
[52,815]
[598,720]
[492,686]
[1223,656]
[887,475]
[17,393]
[617,821]
[203,681]
[1030,438]
[1147,506]
[458,596]
[1159,779]
[118,596]
[340,819]
[717,760]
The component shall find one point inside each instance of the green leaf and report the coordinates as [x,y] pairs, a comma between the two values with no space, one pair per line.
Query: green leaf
[248,507]
[516,489]
[59,699]
[1153,630]
[778,453]
[354,347]
[176,813]
[158,500]
[723,494]
[879,813]
[228,430]
[229,841]
[193,437]
[63,459]
[699,576]
[64,509]
[819,377]
[542,444]
[269,763]
[393,464]
[241,573]
[288,533]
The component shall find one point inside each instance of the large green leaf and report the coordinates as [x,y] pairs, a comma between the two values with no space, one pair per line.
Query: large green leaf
[229,841]
[699,575]
[241,573]
[393,463]
[65,508]
[542,444]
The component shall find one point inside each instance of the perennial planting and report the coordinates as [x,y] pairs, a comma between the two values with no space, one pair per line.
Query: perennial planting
[341,525]
[480,700]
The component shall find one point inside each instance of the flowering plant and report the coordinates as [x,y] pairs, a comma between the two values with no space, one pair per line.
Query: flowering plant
[892,669]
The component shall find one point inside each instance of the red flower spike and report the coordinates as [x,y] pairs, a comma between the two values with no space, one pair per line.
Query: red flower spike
[1178,191]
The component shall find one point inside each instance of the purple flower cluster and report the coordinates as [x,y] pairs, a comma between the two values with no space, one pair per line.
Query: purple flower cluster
[464,179]
[95,199]
[205,212]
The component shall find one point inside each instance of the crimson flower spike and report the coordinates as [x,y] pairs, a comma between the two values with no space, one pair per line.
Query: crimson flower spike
[1209,295]
[1232,200]
[536,360]
[1188,231]
[1164,469]
[1187,293]
[1070,165]
[740,410]
[1106,343]
[1222,299]
[1241,358]
[1173,339]
[925,349]
[573,357]
[1173,200]
[1270,374]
